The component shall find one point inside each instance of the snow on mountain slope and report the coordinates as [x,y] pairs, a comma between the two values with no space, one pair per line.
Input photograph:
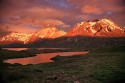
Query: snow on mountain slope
[16,37]
[96,28]
[50,32]
[102,28]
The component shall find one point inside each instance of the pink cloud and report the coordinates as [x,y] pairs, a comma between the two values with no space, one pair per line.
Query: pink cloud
[53,22]
[17,28]
[91,10]
[99,5]
[46,12]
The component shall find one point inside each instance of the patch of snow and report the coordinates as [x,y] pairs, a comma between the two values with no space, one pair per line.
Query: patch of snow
[92,23]
[78,25]
[92,30]
[52,33]
[81,23]
[42,36]
[111,24]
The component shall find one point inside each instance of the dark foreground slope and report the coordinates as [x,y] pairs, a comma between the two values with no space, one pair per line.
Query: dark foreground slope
[79,41]
[105,65]
[75,41]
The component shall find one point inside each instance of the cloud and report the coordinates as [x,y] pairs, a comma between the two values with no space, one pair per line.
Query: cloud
[22,29]
[41,8]
[91,10]
[84,17]
[27,14]
[7,28]
[53,22]
[31,27]
[99,5]
[94,9]
[46,12]
[3,30]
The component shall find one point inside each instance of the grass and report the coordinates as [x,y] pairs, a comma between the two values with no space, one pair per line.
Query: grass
[9,54]
[109,49]
[104,65]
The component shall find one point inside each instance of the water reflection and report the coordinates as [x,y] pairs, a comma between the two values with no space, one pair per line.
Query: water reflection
[16,49]
[19,49]
[41,58]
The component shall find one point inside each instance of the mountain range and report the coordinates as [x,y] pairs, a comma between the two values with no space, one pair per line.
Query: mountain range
[49,32]
[103,28]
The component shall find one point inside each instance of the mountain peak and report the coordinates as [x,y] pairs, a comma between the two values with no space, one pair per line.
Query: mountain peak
[101,28]
[49,32]
[16,37]
[96,28]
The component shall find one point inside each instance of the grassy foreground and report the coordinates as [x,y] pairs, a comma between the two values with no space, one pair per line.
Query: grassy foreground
[103,65]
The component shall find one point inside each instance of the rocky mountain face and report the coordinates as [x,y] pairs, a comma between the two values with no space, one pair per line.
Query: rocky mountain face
[103,31]
[97,28]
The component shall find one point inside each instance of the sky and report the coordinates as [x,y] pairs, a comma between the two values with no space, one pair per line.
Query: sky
[27,16]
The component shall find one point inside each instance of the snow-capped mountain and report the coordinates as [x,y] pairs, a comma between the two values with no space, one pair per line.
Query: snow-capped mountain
[101,28]
[16,37]
[97,28]
[50,32]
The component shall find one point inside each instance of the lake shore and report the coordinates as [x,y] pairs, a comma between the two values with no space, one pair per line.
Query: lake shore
[30,52]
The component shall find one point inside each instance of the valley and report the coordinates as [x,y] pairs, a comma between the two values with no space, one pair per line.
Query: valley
[62,41]
[100,65]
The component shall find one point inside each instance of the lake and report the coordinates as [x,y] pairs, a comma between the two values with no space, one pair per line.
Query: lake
[41,58]
[16,49]
[19,49]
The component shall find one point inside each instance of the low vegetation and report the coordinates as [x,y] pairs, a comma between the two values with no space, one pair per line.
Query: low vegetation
[9,54]
[102,65]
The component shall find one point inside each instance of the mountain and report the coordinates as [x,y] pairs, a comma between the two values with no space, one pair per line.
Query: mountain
[49,32]
[97,28]
[101,32]
[23,38]
[15,38]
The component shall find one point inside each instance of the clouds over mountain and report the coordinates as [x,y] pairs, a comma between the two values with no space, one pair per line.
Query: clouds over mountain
[31,15]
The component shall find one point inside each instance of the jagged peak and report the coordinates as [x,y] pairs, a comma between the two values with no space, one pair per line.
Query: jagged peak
[102,22]
[109,21]
[98,27]
[14,36]
[91,23]
[48,32]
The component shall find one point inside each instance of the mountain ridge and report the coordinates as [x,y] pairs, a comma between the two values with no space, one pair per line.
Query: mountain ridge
[96,28]
[50,32]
